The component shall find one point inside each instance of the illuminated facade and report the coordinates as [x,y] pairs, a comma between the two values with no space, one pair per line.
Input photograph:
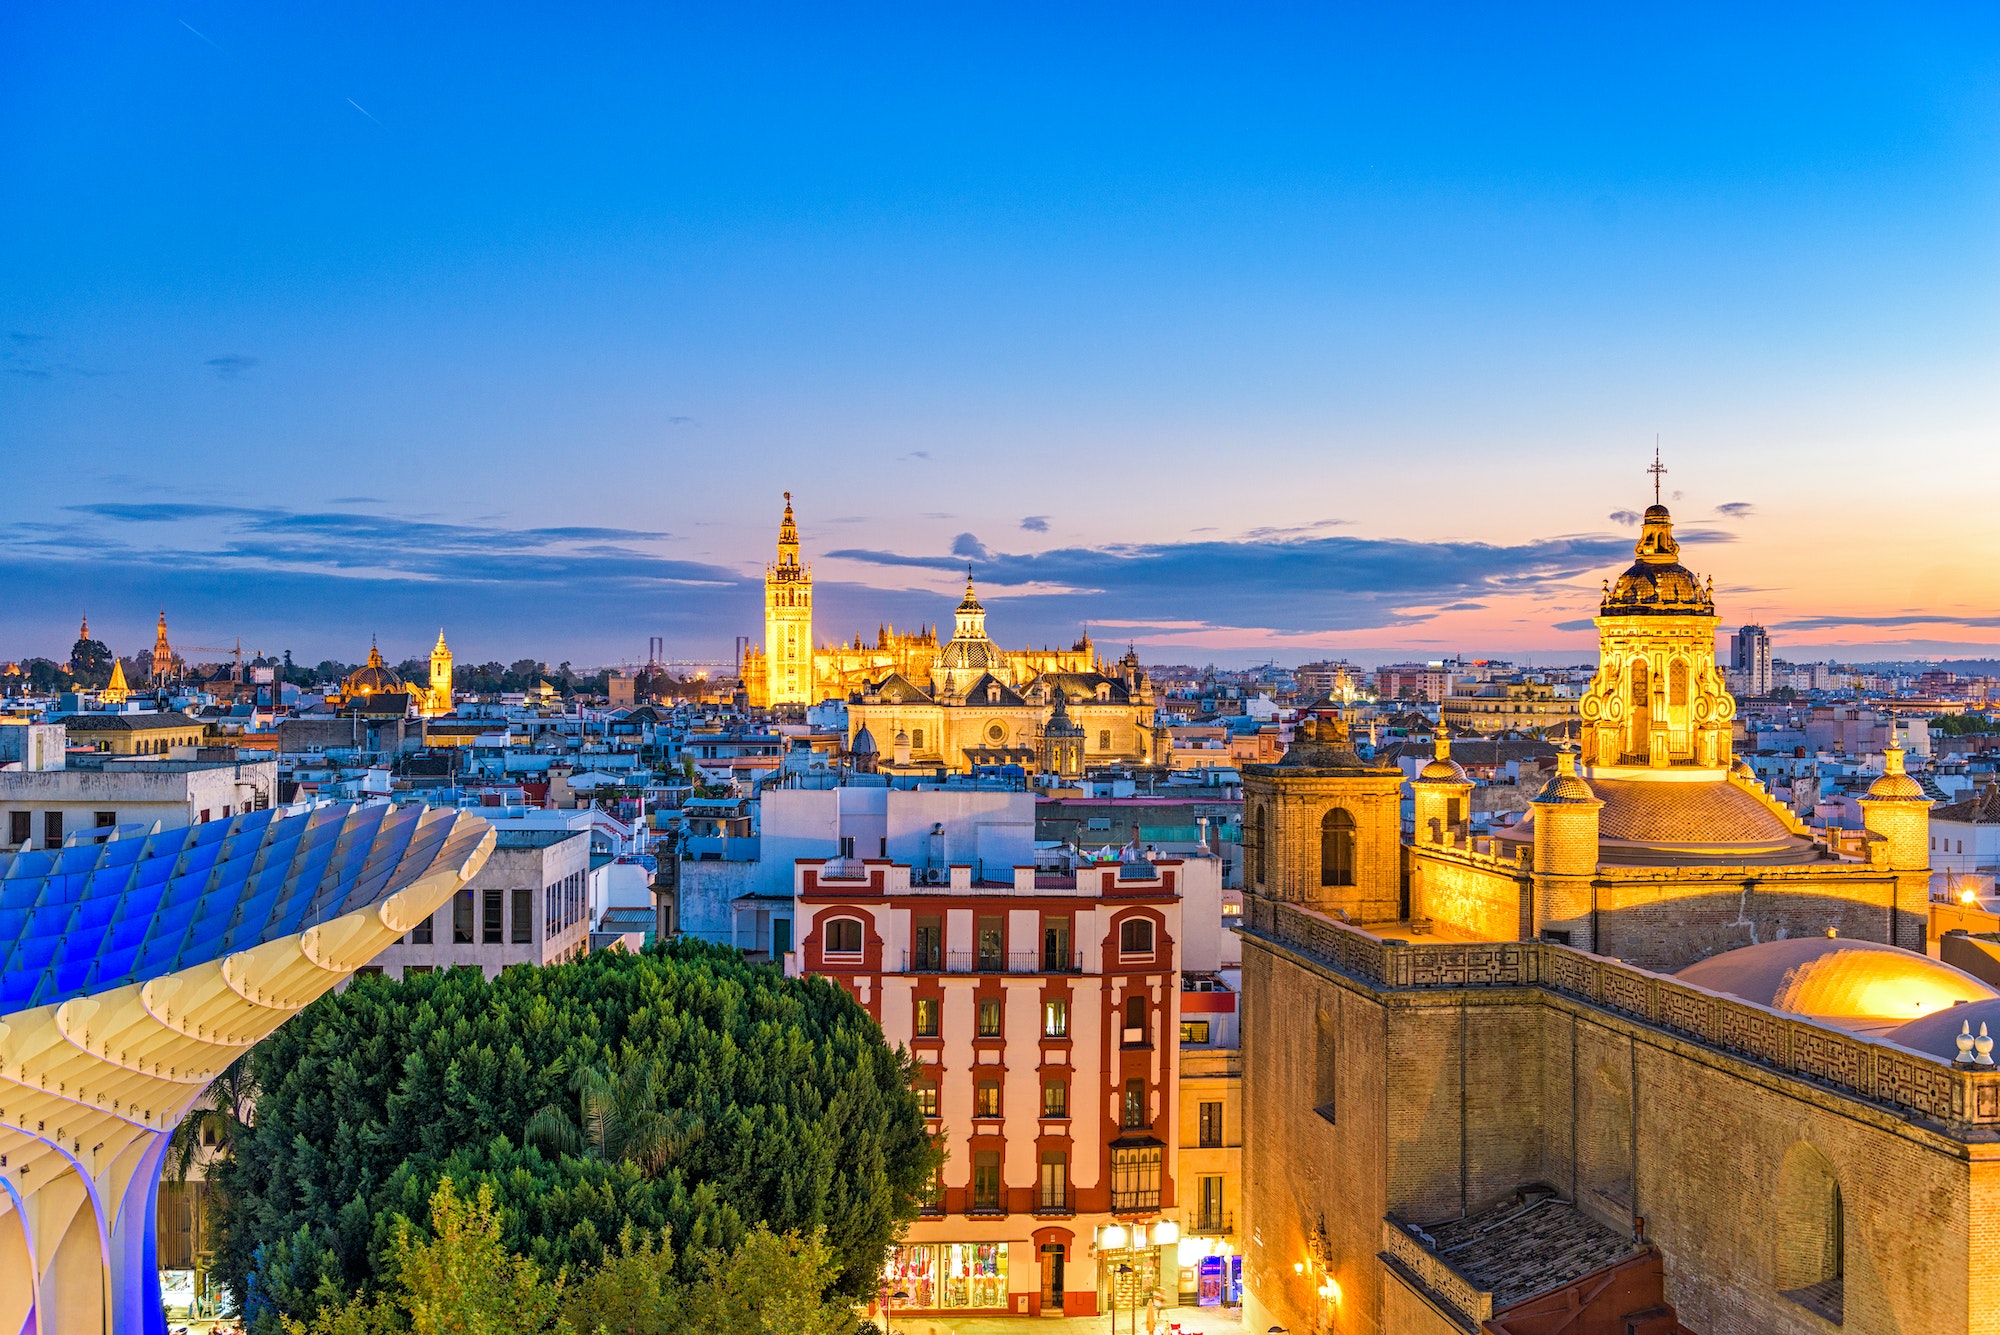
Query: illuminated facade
[436,702]
[164,663]
[136,969]
[376,682]
[1652,1059]
[798,672]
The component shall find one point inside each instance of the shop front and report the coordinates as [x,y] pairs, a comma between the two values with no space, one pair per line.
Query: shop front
[949,1276]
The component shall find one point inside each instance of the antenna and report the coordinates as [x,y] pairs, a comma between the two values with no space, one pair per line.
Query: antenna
[1657,469]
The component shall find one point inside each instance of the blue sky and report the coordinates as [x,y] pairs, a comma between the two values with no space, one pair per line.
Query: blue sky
[1283,335]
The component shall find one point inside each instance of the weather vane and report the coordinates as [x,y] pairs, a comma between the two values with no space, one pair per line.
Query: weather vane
[1657,469]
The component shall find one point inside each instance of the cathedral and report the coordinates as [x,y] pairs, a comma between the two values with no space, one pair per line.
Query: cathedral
[1653,1061]
[375,687]
[964,703]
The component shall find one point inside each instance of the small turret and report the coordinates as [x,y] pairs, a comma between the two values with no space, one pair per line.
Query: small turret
[1566,829]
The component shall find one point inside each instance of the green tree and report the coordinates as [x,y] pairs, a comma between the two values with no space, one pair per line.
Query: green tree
[90,662]
[769,1285]
[457,1280]
[682,1090]
[217,1119]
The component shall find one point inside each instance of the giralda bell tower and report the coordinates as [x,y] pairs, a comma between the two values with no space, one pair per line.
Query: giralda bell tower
[788,619]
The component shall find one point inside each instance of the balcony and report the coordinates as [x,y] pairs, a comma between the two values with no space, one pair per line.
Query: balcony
[1054,1199]
[1212,1222]
[988,961]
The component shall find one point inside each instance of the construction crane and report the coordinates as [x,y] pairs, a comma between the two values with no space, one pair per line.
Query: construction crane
[235,652]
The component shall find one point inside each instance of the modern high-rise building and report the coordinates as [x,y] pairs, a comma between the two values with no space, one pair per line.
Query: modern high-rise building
[1750,656]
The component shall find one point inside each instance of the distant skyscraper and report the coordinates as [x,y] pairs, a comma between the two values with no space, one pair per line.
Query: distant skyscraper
[1750,654]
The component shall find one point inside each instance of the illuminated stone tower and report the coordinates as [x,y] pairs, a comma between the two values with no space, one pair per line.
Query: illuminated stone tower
[1657,700]
[438,699]
[163,653]
[788,620]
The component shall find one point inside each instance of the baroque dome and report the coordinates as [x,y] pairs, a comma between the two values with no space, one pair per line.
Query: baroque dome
[373,679]
[1854,983]
[1656,583]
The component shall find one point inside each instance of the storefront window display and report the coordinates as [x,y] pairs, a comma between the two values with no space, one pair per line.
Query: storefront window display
[945,1275]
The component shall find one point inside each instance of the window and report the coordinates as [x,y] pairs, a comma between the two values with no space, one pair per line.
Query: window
[19,826]
[461,918]
[989,1017]
[986,1099]
[1104,739]
[1135,1021]
[929,952]
[425,932]
[52,834]
[986,1180]
[1135,1104]
[1811,1240]
[1056,957]
[843,936]
[1209,1125]
[1261,855]
[992,942]
[489,919]
[932,1195]
[1052,1192]
[1055,1017]
[927,1017]
[1336,848]
[1210,1219]
[524,916]
[106,819]
[1194,1031]
[916,739]
[414,969]
[1055,1098]
[1135,1177]
[927,1098]
[1135,937]
[1325,1067]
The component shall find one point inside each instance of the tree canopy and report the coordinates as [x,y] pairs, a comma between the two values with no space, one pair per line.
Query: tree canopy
[681,1093]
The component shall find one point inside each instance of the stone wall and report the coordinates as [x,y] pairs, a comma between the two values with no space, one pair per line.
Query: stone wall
[1463,1072]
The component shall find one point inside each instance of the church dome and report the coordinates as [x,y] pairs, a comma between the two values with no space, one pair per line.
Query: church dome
[1895,783]
[864,743]
[1840,980]
[971,655]
[1441,768]
[375,678]
[1566,787]
[1656,583]
[1937,1033]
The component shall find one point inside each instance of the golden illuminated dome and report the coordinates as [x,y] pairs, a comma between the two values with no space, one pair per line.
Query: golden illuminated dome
[1441,768]
[1856,984]
[1896,785]
[1657,584]
[373,679]
[1566,788]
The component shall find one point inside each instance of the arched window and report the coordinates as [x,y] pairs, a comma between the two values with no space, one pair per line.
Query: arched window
[1677,682]
[1641,683]
[1810,1235]
[1336,848]
[843,936]
[1135,937]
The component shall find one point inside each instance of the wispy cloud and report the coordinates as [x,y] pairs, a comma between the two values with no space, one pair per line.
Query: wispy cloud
[1834,622]
[1035,524]
[1288,586]
[1625,517]
[1736,509]
[231,366]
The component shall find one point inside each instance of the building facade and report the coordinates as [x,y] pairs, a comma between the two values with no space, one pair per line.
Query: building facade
[1655,1061]
[1045,1013]
[529,904]
[91,797]
[1507,706]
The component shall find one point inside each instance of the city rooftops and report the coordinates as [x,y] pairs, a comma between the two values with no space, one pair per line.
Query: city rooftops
[534,838]
[1531,1243]
[127,722]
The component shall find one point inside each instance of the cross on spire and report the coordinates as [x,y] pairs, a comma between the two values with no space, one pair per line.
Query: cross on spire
[1657,469]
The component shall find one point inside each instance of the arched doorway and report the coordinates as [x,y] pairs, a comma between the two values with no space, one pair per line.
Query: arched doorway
[1336,848]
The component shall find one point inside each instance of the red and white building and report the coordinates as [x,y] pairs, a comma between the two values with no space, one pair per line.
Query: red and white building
[1045,1013]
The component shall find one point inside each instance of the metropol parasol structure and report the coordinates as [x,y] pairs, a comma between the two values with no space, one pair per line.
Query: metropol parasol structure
[132,971]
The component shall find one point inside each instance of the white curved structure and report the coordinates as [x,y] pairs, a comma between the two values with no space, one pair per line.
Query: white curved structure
[131,973]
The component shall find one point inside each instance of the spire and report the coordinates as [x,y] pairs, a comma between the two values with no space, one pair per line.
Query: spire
[442,647]
[788,536]
[374,653]
[83,631]
[116,691]
[1656,470]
